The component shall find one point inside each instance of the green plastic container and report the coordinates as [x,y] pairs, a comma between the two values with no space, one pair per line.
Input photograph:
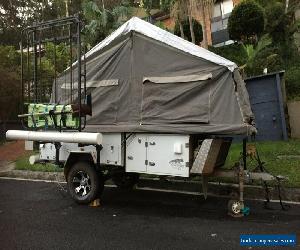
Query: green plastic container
[46,121]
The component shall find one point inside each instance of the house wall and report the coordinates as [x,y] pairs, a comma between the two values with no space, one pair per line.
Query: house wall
[207,19]
[235,2]
[219,20]
[294,118]
[169,22]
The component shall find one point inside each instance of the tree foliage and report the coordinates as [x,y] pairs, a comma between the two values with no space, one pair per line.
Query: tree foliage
[62,56]
[148,5]
[9,83]
[186,29]
[253,59]
[233,52]
[277,22]
[246,21]
[292,76]
[9,57]
[261,56]
[281,22]
[9,95]
[182,10]
[179,13]
[101,21]
[10,70]
[15,15]
[165,4]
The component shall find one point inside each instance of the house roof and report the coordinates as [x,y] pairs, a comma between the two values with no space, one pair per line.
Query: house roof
[137,25]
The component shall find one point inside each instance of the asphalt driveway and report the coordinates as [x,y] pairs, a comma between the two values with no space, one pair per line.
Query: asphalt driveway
[39,215]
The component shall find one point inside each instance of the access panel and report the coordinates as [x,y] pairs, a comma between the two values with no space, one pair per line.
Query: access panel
[168,155]
[159,154]
[136,153]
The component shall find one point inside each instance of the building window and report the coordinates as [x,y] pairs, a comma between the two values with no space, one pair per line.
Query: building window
[219,21]
[226,6]
[223,7]
[217,10]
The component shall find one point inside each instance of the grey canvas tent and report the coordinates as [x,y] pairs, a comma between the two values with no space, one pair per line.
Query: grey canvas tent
[144,79]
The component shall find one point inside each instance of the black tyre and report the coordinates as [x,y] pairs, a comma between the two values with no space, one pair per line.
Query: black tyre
[234,207]
[125,180]
[84,183]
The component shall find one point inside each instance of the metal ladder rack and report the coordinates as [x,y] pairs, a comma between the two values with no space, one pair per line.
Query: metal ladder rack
[38,88]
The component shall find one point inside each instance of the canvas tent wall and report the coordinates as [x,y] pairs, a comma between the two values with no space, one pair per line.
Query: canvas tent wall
[144,79]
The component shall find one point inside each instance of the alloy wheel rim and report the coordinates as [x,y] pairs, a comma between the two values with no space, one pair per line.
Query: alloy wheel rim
[236,207]
[81,183]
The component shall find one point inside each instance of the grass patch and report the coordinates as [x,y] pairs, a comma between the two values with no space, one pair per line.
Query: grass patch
[280,159]
[23,164]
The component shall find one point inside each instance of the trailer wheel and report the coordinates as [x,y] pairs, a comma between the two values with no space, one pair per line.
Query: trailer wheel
[125,180]
[234,207]
[84,183]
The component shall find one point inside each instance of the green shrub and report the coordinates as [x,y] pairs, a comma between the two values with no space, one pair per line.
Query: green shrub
[292,81]
[246,21]
[268,58]
[233,52]
[10,89]
[272,62]
[253,58]
[161,25]
[277,22]
[9,57]
[289,53]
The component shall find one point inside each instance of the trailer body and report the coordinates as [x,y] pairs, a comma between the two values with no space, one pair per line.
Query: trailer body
[155,154]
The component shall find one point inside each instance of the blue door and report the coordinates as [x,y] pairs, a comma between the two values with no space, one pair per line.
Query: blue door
[267,106]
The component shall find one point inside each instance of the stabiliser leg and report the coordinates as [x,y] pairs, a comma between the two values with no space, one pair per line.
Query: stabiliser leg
[236,207]
[96,202]
[57,148]
[266,187]
[241,184]
[283,206]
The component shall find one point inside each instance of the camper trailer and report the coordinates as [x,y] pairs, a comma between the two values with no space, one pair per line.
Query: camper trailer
[142,101]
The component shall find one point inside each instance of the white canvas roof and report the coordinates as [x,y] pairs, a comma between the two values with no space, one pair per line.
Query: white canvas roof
[154,32]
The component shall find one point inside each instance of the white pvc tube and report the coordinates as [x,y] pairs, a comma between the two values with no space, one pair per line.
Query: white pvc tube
[34,159]
[71,137]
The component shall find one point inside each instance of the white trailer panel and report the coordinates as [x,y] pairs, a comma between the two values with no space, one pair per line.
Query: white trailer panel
[136,153]
[110,154]
[160,154]
[168,155]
